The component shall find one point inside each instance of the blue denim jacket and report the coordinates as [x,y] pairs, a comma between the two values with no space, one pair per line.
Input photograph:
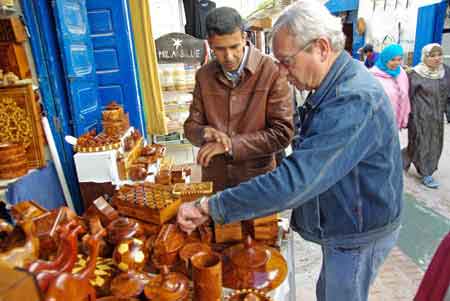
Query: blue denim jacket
[344,179]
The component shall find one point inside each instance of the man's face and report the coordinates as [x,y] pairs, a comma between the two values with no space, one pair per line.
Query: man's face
[229,49]
[305,67]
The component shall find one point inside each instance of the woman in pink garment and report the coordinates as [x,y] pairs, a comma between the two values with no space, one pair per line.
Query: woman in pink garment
[394,80]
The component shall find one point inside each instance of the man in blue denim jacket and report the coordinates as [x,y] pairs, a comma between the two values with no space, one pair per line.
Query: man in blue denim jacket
[344,178]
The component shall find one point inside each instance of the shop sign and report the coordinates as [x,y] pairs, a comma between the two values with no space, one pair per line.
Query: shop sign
[179,48]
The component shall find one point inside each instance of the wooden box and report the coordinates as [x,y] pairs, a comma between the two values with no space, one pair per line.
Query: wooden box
[152,203]
[12,30]
[267,231]
[192,191]
[264,220]
[13,58]
[228,233]
[20,122]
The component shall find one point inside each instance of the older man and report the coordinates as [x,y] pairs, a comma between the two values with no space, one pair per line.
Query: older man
[344,178]
[241,114]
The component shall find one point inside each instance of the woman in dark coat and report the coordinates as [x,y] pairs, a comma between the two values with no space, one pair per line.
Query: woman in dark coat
[429,93]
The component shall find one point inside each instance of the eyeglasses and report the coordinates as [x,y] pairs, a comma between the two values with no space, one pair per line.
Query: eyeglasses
[289,61]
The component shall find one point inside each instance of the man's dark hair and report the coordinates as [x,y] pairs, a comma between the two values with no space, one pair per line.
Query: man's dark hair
[223,20]
[368,48]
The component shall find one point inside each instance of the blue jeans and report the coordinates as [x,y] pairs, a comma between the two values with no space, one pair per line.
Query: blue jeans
[347,273]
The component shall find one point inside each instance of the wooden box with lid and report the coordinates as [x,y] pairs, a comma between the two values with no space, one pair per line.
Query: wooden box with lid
[153,203]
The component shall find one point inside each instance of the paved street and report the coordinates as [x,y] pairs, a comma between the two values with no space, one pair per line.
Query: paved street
[426,219]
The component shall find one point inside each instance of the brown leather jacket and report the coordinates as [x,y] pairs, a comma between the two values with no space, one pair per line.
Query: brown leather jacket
[256,115]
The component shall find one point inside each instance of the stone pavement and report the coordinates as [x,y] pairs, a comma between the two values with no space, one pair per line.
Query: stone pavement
[400,275]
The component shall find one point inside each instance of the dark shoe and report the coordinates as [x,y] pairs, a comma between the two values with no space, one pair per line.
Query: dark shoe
[430,182]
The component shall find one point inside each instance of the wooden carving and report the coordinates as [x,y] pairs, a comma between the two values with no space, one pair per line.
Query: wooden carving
[76,287]
[130,284]
[13,161]
[248,295]
[40,265]
[13,58]
[65,261]
[20,122]
[101,208]
[152,203]
[130,254]
[167,287]
[12,30]
[22,256]
[168,242]
[253,265]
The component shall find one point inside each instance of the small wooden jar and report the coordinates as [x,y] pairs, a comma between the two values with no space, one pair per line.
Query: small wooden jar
[207,276]
[130,254]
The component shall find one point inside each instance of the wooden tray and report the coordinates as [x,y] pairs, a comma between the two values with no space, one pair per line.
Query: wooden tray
[20,122]
[92,149]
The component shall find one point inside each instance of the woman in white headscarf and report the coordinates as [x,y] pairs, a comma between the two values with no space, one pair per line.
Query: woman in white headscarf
[429,93]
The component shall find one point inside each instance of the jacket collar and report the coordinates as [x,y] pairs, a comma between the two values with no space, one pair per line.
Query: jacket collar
[329,82]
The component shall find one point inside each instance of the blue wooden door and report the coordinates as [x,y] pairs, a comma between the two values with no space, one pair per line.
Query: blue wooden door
[111,35]
[79,68]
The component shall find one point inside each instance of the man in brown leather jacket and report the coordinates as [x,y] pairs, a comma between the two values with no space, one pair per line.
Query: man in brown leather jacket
[242,109]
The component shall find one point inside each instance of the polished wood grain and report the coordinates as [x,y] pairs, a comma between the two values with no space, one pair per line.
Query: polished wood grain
[168,286]
[76,287]
[207,276]
[253,265]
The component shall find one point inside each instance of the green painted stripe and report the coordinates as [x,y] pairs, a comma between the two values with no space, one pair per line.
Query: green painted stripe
[422,231]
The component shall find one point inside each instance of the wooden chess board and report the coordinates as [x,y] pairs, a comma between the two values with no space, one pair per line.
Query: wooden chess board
[149,202]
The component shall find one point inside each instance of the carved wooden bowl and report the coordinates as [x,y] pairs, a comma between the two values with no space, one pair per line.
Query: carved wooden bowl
[114,298]
[123,228]
[253,265]
[127,285]
[248,295]
[167,287]
[130,254]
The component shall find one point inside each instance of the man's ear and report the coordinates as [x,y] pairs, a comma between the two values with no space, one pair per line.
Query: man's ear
[244,36]
[324,48]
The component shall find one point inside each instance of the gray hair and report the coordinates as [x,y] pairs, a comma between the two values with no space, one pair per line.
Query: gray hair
[307,20]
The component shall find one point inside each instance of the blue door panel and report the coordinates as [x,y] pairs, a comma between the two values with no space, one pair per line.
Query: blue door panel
[78,61]
[115,64]
[44,45]
[430,21]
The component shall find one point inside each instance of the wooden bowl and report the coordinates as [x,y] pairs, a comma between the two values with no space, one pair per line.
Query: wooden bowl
[128,285]
[167,287]
[253,265]
[248,295]
[123,228]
